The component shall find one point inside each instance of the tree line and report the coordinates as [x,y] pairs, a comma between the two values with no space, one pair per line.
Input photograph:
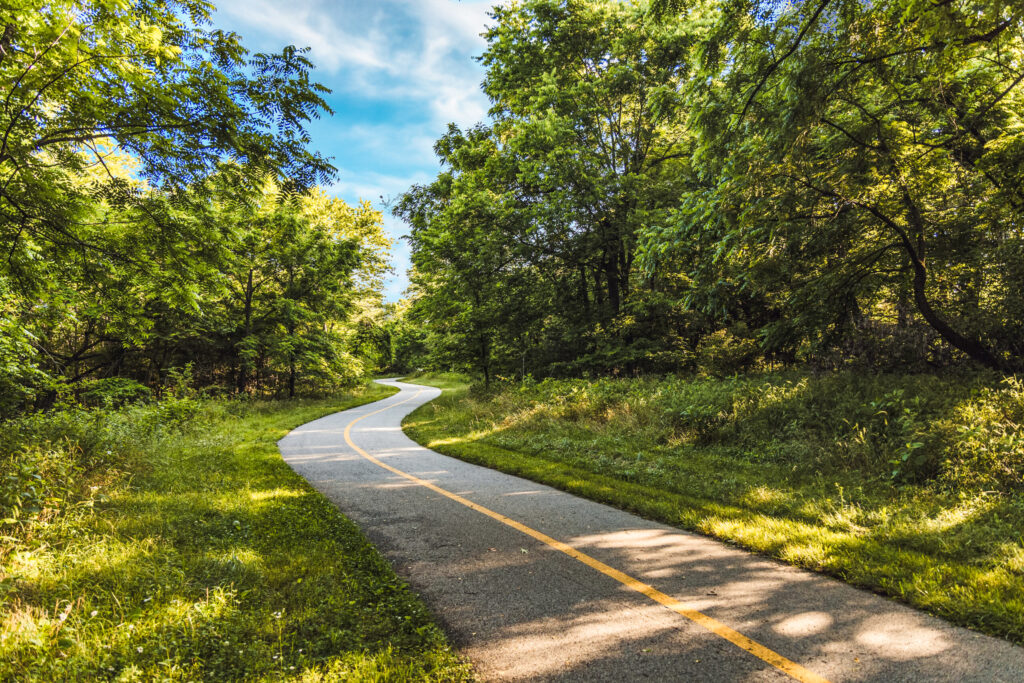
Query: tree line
[160,208]
[726,184]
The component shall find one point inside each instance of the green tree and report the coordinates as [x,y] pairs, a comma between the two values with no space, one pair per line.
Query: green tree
[861,163]
[112,116]
[527,241]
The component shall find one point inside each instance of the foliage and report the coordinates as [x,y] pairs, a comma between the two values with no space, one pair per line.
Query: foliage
[839,180]
[857,167]
[796,466]
[196,553]
[82,81]
[158,206]
[524,247]
[988,450]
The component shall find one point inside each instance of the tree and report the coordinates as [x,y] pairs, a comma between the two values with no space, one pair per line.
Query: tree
[81,81]
[113,116]
[530,231]
[862,161]
[464,270]
[586,94]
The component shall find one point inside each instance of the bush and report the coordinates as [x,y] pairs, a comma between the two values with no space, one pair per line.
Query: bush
[112,392]
[49,458]
[957,432]
[725,352]
[987,451]
[36,480]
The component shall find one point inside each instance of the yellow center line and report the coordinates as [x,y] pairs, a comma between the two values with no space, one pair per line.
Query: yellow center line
[713,625]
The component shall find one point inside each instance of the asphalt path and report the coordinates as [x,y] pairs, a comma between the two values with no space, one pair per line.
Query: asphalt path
[532,583]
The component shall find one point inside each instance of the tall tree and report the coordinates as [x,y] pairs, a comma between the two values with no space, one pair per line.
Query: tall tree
[111,116]
[585,94]
[864,160]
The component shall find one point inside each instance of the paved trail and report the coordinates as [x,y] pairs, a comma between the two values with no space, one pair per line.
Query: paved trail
[535,584]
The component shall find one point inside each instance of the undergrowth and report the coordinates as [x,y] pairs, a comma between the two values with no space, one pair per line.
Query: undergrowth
[170,541]
[909,485]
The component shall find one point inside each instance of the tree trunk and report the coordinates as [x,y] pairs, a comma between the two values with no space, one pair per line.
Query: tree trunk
[584,296]
[485,364]
[614,293]
[974,349]
[612,275]
[243,378]
[5,41]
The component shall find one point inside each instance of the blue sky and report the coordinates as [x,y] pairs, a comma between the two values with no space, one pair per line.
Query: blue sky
[400,70]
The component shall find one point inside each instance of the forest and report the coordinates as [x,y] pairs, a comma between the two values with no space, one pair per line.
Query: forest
[753,268]
[730,186]
[657,189]
[161,210]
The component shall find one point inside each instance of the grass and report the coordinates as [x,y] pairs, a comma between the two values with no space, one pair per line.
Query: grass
[202,556]
[812,472]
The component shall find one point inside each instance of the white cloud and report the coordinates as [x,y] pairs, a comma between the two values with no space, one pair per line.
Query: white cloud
[409,63]
[371,186]
[306,25]
[391,144]
[414,50]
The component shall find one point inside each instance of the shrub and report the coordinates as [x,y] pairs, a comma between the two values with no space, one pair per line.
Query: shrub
[958,432]
[987,451]
[112,392]
[37,479]
[725,353]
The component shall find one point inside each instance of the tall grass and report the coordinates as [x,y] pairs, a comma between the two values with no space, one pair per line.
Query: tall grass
[957,433]
[909,485]
[170,541]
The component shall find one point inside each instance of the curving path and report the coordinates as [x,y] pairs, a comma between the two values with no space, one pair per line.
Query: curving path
[535,584]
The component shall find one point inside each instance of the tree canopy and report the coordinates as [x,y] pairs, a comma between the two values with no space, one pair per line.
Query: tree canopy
[756,182]
[160,206]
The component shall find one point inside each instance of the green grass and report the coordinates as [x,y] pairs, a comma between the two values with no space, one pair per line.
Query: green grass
[204,557]
[808,482]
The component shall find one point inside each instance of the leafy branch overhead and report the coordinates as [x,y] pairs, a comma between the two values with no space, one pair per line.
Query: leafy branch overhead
[830,182]
[149,164]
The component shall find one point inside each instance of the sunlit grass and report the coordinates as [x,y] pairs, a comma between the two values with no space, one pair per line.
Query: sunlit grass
[214,561]
[957,552]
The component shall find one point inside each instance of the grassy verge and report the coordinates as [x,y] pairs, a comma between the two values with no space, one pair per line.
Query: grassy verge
[811,478]
[195,553]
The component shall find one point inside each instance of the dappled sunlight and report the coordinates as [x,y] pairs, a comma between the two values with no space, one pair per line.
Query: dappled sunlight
[803,624]
[398,483]
[761,495]
[43,569]
[394,452]
[901,637]
[534,492]
[276,493]
[468,437]
[340,433]
[955,516]
[549,646]
[332,455]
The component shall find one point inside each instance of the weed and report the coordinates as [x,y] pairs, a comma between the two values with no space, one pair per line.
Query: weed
[180,546]
[907,484]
